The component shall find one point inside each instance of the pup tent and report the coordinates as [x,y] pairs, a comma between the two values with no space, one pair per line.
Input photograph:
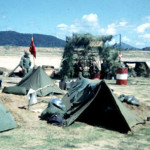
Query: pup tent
[35,79]
[95,104]
[6,119]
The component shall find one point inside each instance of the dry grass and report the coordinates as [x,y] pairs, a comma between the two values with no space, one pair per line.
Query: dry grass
[32,133]
[136,55]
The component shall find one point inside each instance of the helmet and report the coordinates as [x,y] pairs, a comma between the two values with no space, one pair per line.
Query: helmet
[26,52]
[57,102]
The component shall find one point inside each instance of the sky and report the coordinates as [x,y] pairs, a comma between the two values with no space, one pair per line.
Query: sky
[61,18]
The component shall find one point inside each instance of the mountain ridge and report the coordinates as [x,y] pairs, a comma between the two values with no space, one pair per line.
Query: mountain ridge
[125,46]
[13,38]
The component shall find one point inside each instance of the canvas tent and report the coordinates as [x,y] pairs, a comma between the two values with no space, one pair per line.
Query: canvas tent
[35,79]
[6,119]
[97,105]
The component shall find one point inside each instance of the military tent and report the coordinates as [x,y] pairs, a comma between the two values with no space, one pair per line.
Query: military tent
[6,119]
[35,79]
[95,104]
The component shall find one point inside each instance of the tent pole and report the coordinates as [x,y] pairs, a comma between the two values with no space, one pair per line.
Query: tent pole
[33,61]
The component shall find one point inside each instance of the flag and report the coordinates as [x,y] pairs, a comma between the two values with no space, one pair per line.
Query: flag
[120,56]
[32,48]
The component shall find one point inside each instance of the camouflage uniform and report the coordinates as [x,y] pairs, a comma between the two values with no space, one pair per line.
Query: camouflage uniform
[25,63]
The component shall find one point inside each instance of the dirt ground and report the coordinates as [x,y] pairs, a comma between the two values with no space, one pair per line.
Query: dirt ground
[10,58]
[32,132]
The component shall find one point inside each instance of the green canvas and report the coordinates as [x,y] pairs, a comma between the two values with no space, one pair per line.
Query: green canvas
[15,90]
[97,105]
[6,119]
[36,79]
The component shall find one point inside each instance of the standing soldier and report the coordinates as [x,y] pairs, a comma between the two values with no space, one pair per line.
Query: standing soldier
[105,70]
[93,70]
[78,67]
[25,63]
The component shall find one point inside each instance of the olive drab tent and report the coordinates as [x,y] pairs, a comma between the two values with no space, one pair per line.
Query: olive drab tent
[35,79]
[6,119]
[38,78]
[96,104]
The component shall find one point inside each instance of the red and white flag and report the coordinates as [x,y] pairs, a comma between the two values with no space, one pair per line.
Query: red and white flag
[120,56]
[32,48]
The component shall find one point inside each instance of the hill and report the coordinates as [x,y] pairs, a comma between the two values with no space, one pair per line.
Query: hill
[125,46]
[146,48]
[12,38]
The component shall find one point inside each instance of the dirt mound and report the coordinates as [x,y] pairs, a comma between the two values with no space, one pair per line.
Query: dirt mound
[140,111]
[18,107]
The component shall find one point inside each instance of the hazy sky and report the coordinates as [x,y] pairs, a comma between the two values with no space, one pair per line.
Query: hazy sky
[61,18]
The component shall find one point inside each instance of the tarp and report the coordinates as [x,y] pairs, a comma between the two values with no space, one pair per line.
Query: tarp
[35,79]
[6,119]
[53,109]
[97,105]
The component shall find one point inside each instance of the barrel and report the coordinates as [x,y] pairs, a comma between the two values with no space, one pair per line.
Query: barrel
[122,75]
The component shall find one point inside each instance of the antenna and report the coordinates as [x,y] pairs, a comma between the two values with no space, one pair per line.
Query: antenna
[120,43]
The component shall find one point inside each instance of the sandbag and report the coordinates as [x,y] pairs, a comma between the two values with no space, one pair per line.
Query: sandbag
[130,99]
[15,90]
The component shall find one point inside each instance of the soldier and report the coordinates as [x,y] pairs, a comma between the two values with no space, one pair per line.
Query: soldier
[78,67]
[25,63]
[105,70]
[93,70]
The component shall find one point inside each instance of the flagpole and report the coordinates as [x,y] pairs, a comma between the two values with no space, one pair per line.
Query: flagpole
[33,61]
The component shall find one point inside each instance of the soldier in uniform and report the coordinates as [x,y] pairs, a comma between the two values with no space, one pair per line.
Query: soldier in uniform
[78,67]
[93,70]
[25,63]
[105,70]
